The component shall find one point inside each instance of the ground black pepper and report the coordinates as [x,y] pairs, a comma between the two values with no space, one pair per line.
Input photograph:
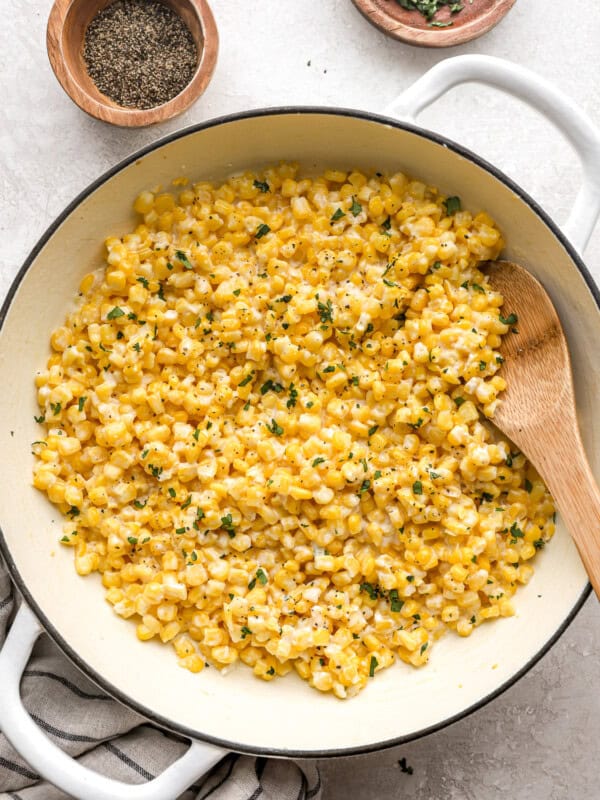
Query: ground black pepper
[140,53]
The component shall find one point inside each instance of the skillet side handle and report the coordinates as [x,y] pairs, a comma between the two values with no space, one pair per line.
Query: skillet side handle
[53,763]
[576,126]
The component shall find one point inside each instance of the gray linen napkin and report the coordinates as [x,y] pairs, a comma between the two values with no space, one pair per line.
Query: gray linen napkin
[115,741]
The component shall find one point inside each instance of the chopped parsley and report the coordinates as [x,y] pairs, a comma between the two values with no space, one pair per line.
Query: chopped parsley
[261,576]
[528,485]
[227,525]
[269,386]
[325,311]
[356,207]
[510,320]
[262,230]
[452,205]
[337,214]
[373,429]
[262,186]
[115,313]
[417,487]
[365,486]
[318,461]
[56,407]
[81,403]
[247,379]
[293,392]
[395,602]
[40,419]
[274,428]
[246,631]
[372,666]
[143,281]
[183,259]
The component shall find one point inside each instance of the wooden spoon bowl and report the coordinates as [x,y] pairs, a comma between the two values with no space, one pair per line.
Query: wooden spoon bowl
[65,36]
[537,409]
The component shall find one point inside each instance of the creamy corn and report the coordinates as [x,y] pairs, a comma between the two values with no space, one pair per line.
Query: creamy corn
[265,425]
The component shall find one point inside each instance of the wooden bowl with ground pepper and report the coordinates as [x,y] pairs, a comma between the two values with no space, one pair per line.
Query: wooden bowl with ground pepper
[132,62]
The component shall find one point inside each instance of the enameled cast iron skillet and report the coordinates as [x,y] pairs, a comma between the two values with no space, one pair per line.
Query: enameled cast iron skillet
[238,712]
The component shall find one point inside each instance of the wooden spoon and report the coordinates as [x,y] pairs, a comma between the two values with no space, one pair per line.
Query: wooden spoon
[537,410]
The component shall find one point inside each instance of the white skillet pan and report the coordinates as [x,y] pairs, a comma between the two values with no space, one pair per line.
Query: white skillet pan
[238,712]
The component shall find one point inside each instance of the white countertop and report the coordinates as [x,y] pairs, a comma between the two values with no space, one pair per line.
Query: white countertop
[539,740]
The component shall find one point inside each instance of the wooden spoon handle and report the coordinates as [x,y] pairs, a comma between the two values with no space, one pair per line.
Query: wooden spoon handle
[567,474]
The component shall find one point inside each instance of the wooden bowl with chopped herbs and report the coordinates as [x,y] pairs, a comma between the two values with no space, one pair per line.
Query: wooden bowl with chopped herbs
[132,62]
[434,23]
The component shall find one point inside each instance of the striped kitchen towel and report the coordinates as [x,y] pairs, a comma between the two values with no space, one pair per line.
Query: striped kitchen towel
[113,740]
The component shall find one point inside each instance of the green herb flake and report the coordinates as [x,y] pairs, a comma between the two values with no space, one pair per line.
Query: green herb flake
[172,492]
[325,311]
[247,379]
[417,487]
[510,320]
[40,419]
[81,403]
[293,396]
[186,502]
[262,186]
[237,292]
[274,428]
[227,524]
[372,666]
[183,259]
[368,588]
[56,407]
[364,487]
[318,461]
[261,576]
[373,429]
[424,647]
[246,631]
[132,540]
[395,602]
[356,207]
[143,281]
[452,205]
[528,485]
[261,231]
[337,214]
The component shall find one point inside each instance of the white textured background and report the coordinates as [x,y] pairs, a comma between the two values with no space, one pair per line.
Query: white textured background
[538,741]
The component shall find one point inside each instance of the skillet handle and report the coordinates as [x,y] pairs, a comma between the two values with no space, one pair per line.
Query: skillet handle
[52,762]
[541,95]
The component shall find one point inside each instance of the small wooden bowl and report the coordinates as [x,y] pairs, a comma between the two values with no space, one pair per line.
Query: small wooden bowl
[65,36]
[411,27]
